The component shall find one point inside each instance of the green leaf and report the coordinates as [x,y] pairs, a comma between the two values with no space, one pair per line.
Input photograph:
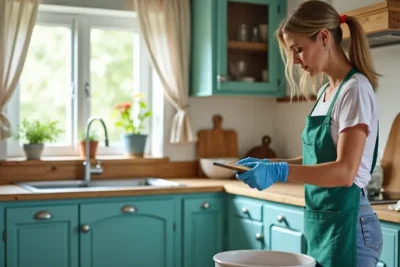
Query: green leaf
[36,132]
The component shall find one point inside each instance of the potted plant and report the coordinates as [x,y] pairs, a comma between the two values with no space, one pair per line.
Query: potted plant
[130,116]
[34,135]
[93,144]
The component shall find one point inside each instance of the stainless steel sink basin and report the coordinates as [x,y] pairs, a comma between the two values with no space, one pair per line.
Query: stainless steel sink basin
[97,185]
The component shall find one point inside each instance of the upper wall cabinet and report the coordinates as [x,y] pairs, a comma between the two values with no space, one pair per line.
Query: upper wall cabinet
[233,48]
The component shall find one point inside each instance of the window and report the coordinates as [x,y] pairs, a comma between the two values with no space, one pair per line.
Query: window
[81,64]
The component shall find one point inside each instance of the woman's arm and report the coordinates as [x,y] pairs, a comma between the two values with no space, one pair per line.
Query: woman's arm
[296,161]
[341,172]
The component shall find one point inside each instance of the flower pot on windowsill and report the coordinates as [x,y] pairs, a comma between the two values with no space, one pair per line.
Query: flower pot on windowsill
[92,149]
[134,144]
[33,151]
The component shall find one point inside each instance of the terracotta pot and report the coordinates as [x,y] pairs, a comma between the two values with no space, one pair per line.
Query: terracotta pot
[92,149]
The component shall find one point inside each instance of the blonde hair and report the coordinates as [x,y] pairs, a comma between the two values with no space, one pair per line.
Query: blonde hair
[307,20]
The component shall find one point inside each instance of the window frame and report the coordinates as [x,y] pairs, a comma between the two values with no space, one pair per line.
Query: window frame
[81,20]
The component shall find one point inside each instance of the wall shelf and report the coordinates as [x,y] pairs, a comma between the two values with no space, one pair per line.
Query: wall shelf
[247,46]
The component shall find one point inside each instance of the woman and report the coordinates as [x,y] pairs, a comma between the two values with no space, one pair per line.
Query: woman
[339,140]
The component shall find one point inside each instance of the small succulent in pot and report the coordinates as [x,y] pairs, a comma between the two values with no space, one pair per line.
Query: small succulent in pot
[34,135]
[93,144]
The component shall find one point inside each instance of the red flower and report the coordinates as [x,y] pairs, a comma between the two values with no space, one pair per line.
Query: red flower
[126,105]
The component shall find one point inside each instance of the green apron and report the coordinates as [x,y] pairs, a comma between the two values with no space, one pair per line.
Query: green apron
[330,214]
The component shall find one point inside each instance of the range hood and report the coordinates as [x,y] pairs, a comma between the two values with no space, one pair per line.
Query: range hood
[380,21]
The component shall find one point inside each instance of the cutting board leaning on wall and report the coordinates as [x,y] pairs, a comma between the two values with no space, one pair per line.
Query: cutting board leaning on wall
[216,142]
[391,159]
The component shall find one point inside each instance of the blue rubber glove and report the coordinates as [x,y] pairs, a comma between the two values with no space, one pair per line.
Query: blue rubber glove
[262,175]
[250,159]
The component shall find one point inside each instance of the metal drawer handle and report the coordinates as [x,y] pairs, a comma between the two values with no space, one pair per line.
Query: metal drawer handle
[42,215]
[85,228]
[129,209]
[245,210]
[205,205]
[281,218]
[259,236]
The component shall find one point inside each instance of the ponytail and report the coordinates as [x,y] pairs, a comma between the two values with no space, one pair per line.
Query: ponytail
[307,20]
[359,53]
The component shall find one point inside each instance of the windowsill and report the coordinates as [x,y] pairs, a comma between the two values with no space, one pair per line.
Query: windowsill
[70,159]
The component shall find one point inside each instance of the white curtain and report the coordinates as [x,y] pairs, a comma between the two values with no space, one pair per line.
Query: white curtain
[165,27]
[17,19]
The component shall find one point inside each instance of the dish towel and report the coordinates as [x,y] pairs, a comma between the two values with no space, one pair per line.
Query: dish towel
[395,207]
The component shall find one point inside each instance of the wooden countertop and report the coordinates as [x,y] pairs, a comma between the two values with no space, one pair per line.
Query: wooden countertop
[289,193]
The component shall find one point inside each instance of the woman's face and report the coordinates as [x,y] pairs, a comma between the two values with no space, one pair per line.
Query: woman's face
[310,55]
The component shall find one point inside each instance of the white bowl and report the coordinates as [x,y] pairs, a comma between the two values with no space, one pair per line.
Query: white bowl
[262,258]
[215,172]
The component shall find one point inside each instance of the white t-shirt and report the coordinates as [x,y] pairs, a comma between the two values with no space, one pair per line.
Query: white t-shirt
[356,103]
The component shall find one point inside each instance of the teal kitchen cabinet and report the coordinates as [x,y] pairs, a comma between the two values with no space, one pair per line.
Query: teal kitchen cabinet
[223,61]
[245,227]
[42,236]
[284,228]
[203,230]
[128,233]
[391,245]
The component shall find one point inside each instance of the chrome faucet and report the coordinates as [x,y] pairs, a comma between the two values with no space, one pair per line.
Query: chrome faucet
[88,168]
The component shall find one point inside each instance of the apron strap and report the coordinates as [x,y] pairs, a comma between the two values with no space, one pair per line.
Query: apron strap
[316,102]
[348,76]
[375,156]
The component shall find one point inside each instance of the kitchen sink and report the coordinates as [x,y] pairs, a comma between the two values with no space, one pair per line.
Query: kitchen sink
[97,185]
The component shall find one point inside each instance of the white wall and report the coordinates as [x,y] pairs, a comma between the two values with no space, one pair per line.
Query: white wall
[250,117]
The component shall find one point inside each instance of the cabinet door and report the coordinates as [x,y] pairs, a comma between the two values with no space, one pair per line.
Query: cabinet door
[240,57]
[245,234]
[283,228]
[390,250]
[42,236]
[203,231]
[126,234]
[283,239]
[204,18]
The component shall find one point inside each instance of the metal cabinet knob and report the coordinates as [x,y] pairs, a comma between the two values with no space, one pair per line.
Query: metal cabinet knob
[85,228]
[259,236]
[42,215]
[221,78]
[245,210]
[128,209]
[281,218]
[205,205]
[381,264]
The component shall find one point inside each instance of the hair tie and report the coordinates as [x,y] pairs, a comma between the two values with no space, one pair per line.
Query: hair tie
[343,19]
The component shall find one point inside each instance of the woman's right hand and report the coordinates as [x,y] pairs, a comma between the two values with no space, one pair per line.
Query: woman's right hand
[250,159]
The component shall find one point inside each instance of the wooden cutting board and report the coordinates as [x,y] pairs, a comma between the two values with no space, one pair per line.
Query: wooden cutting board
[391,159]
[216,142]
[263,151]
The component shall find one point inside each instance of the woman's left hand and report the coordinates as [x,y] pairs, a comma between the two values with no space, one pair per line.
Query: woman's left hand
[262,175]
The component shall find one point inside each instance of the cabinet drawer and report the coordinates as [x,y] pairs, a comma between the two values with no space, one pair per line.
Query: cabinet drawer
[205,204]
[38,214]
[284,216]
[95,212]
[247,208]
